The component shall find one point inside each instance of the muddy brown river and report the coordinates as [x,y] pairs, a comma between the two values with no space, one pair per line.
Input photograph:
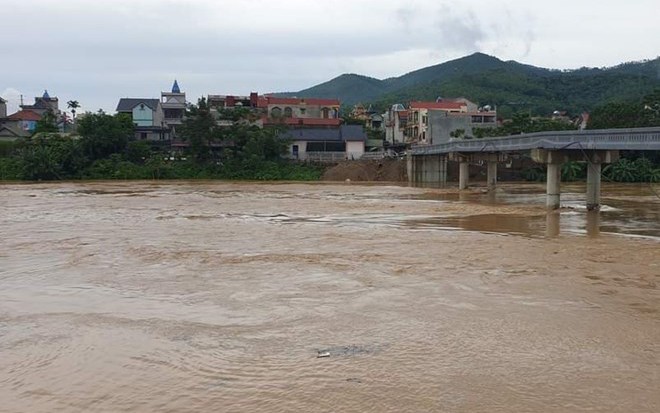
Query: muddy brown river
[239,297]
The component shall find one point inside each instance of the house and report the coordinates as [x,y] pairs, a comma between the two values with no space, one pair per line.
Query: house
[148,118]
[395,121]
[273,110]
[18,125]
[418,117]
[174,108]
[44,104]
[300,112]
[374,121]
[277,107]
[218,102]
[437,122]
[444,126]
[326,144]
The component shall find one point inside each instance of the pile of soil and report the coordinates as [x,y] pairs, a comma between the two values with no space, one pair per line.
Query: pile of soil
[381,170]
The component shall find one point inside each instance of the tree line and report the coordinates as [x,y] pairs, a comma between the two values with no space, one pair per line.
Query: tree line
[104,147]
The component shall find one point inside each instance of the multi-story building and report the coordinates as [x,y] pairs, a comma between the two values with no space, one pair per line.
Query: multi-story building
[174,108]
[395,121]
[313,125]
[218,102]
[418,117]
[300,113]
[44,104]
[445,126]
[437,122]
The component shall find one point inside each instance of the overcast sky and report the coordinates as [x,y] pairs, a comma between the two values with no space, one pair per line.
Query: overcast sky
[99,51]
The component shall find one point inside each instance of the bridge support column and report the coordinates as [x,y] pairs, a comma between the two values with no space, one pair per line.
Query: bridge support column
[492,175]
[553,190]
[442,169]
[554,161]
[463,174]
[410,168]
[593,186]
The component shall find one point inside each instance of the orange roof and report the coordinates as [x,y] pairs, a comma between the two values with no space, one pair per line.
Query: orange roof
[25,115]
[437,105]
[262,102]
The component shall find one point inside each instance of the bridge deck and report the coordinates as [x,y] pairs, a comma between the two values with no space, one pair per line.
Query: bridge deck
[645,139]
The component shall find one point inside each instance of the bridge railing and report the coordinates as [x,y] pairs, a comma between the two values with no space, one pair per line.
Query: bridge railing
[602,139]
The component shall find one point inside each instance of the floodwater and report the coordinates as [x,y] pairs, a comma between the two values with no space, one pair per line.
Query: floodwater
[239,297]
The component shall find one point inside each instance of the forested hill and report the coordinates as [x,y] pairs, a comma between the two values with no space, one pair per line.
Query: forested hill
[510,85]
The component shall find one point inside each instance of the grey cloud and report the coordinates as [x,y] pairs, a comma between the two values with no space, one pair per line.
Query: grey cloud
[459,30]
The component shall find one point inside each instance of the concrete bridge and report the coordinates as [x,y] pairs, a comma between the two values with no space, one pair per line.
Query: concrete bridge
[427,164]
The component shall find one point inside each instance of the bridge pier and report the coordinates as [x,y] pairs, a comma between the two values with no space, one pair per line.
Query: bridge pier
[463,173]
[428,169]
[594,172]
[410,167]
[554,160]
[553,186]
[442,169]
[593,186]
[492,175]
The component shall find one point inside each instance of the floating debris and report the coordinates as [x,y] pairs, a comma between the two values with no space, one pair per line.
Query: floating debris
[346,351]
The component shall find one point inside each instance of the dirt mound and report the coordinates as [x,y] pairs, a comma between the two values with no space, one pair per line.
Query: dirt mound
[383,170]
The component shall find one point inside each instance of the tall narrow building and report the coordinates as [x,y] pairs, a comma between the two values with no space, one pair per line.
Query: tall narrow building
[174,107]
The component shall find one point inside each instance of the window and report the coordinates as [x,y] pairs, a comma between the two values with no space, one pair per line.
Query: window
[276,112]
[326,146]
[302,111]
[143,135]
[288,113]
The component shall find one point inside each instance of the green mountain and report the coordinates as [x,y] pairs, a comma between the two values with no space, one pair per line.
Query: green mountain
[512,86]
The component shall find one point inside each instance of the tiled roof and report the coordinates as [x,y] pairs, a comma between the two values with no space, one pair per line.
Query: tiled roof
[344,133]
[25,115]
[127,104]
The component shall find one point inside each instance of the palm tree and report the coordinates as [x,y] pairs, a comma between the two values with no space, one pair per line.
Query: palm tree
[73,105]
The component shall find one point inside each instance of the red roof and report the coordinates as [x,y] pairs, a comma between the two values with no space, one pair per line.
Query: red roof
[25,115]
[437,105]
[297,101]
[262,102]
